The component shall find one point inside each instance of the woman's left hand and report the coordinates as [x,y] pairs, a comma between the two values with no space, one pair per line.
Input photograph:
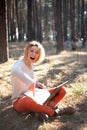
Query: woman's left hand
[40,85]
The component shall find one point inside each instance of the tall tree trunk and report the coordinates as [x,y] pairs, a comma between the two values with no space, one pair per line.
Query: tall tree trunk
[82,19]
[36,20]
[22,20]
[46,20]
[65,18]
[30,33]
[35,16]
[86,17]
[13,22]
[59,36]
[39,22]
[78,25]
[33,22]
[9,18]
[16,17]
[3,33]
[54,19]
[72,18]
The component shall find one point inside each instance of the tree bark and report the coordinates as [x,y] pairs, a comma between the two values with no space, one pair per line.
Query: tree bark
[65,18]
[72,18]
[59,36]
[30,33]
[3,33]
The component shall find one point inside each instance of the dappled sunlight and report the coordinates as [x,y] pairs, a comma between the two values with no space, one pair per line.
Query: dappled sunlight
[55,69]
[60,68]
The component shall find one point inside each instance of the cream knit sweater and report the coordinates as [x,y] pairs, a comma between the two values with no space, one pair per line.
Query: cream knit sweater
[21,78]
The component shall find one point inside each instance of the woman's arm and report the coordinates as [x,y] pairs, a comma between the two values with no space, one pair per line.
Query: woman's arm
[16,71]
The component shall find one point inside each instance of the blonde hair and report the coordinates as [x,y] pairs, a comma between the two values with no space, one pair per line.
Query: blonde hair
[41,51]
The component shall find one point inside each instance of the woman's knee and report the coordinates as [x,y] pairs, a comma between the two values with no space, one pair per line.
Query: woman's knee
[62,91]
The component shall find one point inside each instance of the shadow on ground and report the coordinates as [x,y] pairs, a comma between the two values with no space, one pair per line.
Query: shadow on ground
[12,120]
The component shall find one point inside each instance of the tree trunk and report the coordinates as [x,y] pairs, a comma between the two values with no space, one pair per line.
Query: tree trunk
[12,21]
[9,19]
[3,33]
[82,19]
[72,18]
[46,20]
[78,25]
[30,33]
[39,22]
[35,19]
[22,20]
[65,18]
[59,36]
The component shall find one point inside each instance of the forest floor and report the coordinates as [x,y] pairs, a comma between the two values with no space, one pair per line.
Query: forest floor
[57,68]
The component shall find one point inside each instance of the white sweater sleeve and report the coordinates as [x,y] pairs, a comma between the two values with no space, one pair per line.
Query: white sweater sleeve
[20,74]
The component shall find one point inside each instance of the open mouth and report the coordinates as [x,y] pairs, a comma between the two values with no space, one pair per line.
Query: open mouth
[32,58]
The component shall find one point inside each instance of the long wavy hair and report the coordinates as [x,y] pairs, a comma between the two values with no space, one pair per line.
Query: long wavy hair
[41,51]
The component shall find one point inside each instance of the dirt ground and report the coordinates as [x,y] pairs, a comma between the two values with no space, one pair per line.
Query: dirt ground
[57,68]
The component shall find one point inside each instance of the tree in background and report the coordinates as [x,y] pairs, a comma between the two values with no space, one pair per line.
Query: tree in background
[65,18]
[41,20]
[58,26]
[3,33]
[72,18]
[39,37]
[82,19]
[22,19]
[30,32]
[36,19]
[12,19]
[46,19]
[77,16]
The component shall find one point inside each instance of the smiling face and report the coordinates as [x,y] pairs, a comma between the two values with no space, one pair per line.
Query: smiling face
[33,54]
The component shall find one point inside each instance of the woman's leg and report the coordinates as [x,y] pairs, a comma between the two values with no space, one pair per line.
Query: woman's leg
[58,97]
[27,104]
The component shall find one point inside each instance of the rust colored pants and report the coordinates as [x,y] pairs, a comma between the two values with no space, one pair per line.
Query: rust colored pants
[26,104]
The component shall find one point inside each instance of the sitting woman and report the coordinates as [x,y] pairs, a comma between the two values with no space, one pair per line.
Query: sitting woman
[25,92]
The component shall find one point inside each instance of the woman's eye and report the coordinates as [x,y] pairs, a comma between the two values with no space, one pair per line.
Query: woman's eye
[31,51]
[36,52]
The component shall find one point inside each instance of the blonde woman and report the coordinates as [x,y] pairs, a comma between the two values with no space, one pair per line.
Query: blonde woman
[26,91]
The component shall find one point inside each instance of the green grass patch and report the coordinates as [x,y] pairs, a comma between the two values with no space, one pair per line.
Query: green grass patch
[44,127]
[79,89]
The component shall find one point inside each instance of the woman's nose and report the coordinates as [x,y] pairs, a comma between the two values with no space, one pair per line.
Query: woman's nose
[34,53]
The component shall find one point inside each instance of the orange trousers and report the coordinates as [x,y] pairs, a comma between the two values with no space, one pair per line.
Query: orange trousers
[27,104]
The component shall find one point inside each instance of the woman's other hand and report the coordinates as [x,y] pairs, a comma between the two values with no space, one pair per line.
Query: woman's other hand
[40,85]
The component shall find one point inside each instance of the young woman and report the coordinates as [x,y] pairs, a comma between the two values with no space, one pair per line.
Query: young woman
[24,84]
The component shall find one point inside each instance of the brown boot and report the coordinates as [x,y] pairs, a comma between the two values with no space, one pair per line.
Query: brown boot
[68,111]
[63,111]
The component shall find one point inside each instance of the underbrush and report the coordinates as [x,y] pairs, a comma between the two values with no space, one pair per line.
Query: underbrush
[79,89]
